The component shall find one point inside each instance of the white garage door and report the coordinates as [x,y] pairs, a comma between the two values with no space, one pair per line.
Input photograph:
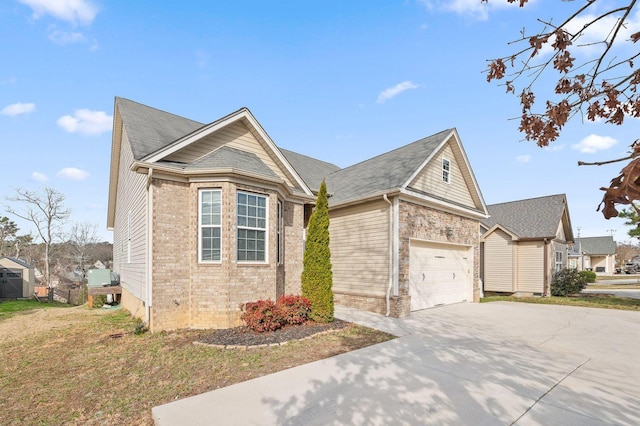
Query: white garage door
[439,274]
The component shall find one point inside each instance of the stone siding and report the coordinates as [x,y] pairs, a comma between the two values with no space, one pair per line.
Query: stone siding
[427,224]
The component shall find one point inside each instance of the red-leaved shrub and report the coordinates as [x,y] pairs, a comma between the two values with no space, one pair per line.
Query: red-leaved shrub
[294,309]
[265,315]
[261,316]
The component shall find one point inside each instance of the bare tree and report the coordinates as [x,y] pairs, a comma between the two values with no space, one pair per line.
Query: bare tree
[601,87]
[47,212]
[81,238]
[22,241]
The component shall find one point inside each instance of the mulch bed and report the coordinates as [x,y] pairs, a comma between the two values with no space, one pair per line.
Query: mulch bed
[244,337]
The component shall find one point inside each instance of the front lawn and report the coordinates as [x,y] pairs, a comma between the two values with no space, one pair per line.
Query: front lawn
[585,301]
[91,369]
[10,308]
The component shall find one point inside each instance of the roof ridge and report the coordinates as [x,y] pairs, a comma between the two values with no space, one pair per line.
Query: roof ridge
[528,199]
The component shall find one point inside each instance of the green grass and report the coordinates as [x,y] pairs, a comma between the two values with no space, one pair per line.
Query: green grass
[591,301]
[12,308]
[91,369]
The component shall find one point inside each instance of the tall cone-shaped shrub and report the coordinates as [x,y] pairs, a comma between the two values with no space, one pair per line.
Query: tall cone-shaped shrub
[317,278]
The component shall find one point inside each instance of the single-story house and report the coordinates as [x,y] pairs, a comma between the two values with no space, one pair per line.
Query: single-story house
[209,216]
[17,278]
[524,243]
[596,254]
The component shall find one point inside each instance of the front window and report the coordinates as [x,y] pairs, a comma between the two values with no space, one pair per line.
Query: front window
[210,240]
[559,262]
[252,227]
[446,170]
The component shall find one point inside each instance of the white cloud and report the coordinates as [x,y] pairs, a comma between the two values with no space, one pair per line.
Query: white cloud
[554,147]
[72,173]
[10,80]
[474,8]
[39,177]
[73,11]
[86,121]
[594,143]
[65,37]
[523,158]
[396,90]
[18,109]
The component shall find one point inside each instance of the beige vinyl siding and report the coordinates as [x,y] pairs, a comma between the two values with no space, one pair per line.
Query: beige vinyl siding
[430,179]
[498,262]
[130,230]
[561,234]
[530,270]
[360,248]
[235,135]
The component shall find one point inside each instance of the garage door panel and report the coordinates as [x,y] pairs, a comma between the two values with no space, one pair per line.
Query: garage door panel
[438,274]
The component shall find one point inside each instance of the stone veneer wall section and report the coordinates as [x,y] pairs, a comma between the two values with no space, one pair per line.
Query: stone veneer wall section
[428,224]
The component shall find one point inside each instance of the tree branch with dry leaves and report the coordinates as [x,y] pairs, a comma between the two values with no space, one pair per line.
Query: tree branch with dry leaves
[601,88]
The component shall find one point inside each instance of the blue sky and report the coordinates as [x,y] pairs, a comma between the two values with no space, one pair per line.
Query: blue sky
[338,80]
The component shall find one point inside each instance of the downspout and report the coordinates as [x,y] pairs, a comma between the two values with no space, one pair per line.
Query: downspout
[149,247]
[390,286]
[546,267]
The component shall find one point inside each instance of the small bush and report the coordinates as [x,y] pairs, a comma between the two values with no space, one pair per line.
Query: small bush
[567,281]
[589,276]
[265,315]
[262,316]
[294,309]
[99,301]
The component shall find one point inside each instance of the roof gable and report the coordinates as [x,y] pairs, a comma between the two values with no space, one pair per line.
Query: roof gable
[388,171]
[158,137]
[461,187]
[533,218]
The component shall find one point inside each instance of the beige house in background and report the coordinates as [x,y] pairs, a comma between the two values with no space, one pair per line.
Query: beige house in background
[17,278]
[524,243]
[209,216]
[597,254]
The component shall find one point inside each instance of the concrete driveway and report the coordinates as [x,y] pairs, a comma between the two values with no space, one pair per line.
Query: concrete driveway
[484,364]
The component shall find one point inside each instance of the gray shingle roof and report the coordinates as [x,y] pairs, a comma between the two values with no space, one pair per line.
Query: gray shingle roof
[530,218]
[383,173]
[312,171]
[596,245]
[227,157]
[150,129]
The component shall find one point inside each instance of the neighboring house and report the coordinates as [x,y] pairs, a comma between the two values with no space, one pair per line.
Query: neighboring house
[524,243]
[596,254]
[17,278]
[209,216]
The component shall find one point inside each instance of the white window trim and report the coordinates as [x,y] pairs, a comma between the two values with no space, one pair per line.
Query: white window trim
[447,171]
[200,191]
[279,234]
[559,263]
[265,229]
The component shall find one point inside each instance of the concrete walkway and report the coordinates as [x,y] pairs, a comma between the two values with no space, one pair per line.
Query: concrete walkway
[482,364]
